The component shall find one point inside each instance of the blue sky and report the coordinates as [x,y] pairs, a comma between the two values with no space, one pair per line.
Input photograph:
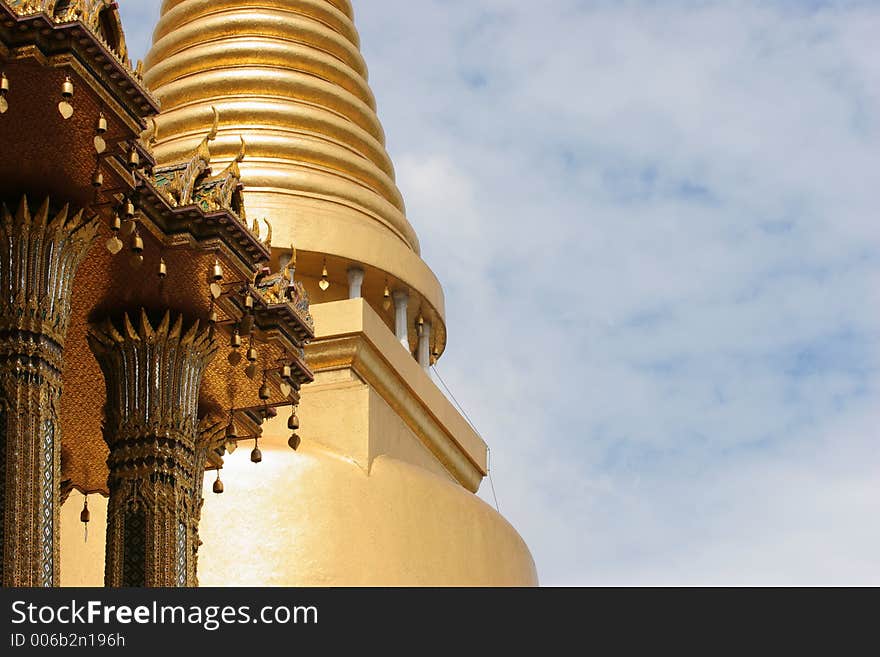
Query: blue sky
[657,229]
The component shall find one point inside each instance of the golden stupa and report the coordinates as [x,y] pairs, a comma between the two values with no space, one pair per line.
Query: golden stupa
[382,490]
[289,79]
[267,139]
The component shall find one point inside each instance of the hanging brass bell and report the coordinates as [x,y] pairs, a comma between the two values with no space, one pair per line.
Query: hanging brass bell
[137,244]
[134,159]
[217,271]
[256,454]
[129,209]
[85,515]
[163,268]
[212,317]
[293,422]
[236,340]
[97,179]
[294,442]
[265,392]
[324,284]
[252,354]
[64,107]
[218,485]
[249,302]
[386,298]
[100,144]
[230,431]
[286,372]
[116,224]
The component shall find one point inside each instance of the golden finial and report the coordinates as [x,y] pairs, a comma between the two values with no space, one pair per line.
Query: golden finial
[242,151]
[290,267]
[202,152]
[268,241]
[216,125]
[232,169]
[154,133]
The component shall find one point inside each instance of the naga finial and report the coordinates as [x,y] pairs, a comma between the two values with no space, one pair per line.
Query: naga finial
[242,151]
[290,267]
[154,133]
[216,125]
[268,241]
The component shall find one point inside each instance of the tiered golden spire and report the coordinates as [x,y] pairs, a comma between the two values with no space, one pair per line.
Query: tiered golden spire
[288,76]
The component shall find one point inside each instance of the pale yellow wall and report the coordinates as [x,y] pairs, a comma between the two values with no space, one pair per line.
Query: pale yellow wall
[316,518]
[82,562]
[341,412]
[334,411]
[390,436]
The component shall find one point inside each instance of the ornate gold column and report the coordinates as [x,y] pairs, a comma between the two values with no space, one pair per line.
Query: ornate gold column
[39,255]
[156,461]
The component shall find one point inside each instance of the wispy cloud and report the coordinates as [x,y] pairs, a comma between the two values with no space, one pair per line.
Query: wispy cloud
[665,215]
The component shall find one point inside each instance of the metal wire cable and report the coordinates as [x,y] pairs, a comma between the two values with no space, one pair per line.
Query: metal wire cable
[474,427]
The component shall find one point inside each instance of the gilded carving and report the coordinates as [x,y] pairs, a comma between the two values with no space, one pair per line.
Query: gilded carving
[39,255]
[153,375]
[101,17]
[153,366]
[191,182]
[282,288]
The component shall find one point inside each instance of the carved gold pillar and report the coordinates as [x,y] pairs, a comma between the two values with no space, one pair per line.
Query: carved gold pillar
[39,255]
[153,376]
